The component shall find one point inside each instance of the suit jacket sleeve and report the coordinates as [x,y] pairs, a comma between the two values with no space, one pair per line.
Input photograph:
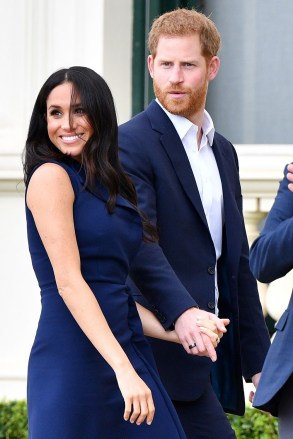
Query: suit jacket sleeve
[250,329]
[150,270]
[271,254]
[254,337]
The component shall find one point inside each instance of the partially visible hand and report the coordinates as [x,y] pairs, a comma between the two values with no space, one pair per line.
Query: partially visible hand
[189,333]
[209,328]
[255,380]
[139,404]
[290,176]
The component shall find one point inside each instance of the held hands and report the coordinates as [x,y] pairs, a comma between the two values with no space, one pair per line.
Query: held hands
[209,328]
[139,404]
[290,176]
[200,332]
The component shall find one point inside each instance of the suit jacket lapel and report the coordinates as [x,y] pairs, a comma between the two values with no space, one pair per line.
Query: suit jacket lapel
[175,150]
[177,155]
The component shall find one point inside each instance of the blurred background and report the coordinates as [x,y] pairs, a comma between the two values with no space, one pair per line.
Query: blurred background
[250,102]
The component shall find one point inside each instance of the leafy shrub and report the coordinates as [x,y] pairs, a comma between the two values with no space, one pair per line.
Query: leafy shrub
[254,425]
[13,420]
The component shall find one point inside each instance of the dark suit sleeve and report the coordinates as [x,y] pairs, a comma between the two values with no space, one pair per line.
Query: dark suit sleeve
[271,254]
[150,270]
[254,337]
[253,334]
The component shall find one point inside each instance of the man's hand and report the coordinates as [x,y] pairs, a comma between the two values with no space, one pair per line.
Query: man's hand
[290,176]
[193,339]
[255,380]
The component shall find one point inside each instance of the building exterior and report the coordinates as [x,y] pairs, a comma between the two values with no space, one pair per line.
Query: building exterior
[249,101]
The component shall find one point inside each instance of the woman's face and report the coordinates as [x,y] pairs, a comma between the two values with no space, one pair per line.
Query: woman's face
[68,127]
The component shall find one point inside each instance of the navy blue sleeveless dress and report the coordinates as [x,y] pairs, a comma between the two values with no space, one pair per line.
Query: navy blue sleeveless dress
[72,391]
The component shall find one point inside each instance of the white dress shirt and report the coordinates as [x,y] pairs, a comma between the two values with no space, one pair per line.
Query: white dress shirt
[206,174]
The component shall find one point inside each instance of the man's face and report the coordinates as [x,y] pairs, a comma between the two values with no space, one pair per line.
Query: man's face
[180,75]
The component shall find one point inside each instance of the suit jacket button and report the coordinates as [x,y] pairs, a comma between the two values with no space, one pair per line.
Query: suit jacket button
[211,270]
[211,305]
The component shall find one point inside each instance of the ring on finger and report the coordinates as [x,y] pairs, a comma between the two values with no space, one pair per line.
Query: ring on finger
[191,346]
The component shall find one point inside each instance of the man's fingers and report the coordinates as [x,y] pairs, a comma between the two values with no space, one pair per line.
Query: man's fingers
[194,344]
[206,347]
[210,348]
[190,347]
[198,340]
[193,337]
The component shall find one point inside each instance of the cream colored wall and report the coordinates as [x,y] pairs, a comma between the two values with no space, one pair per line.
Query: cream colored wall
[38,37]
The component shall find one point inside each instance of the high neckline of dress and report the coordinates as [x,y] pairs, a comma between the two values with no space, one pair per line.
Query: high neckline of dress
[75,163]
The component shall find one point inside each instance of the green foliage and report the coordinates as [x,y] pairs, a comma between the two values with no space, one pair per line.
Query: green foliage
[13,420]
[254,425]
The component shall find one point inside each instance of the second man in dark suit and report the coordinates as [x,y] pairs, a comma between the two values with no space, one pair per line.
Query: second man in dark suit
[187,180]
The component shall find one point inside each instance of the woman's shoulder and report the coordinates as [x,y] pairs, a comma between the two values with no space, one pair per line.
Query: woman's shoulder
[48,171]
[52,173]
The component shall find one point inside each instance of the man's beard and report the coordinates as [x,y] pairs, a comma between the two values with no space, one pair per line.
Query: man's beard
[192,102]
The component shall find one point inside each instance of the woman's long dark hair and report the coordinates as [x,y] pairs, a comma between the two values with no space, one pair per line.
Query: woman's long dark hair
[100,153]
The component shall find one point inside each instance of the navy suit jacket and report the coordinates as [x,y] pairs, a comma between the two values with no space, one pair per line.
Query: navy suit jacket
[179,272]
[271,258]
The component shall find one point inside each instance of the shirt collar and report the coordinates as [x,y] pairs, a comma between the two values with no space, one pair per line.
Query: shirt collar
[182,125]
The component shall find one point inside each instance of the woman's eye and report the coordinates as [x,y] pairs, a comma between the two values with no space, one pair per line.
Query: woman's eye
[55,113]
[79,111]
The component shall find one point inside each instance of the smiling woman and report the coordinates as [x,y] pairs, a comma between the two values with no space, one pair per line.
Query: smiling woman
[68,125]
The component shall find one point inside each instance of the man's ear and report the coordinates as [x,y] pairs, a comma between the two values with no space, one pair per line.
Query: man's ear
[213,67]
[151,65]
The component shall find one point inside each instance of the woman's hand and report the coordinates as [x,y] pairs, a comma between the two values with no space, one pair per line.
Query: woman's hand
[209,328]
[139,404]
